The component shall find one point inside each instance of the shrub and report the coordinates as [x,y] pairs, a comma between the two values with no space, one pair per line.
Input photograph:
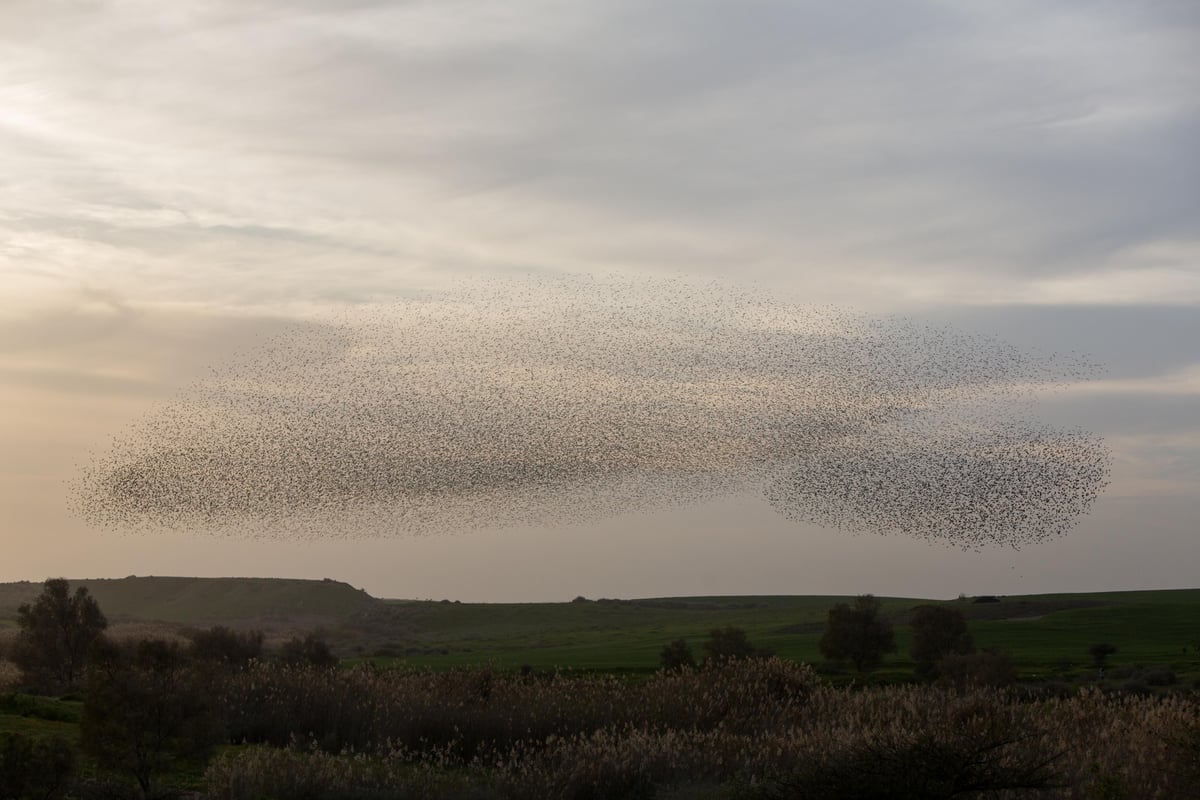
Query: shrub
[34,768]
[221,645]
[1100,653]
[938,631]
[830,668]
[631,764]
[1159,676]
[477,712]
[976,670]
[10,675]
[677,655]
[257,772]
[924,767]
[34,707]
[858,634]
[312,650]
[728,643]
[765,724]
[1186,746]
[146,709]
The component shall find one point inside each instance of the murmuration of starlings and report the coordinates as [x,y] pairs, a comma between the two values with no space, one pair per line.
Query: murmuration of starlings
[564,400]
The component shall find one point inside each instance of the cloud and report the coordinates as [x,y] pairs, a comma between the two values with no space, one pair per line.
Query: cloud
[97,343]
[1185,382]
[910,152]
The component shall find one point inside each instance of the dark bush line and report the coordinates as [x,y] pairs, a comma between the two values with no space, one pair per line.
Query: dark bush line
[482,712]
[35,768]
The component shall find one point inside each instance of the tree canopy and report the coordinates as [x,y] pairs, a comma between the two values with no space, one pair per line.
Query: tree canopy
[677,655]
[729,643]
[938,631]
[857,633]
[56,631]
[146,709]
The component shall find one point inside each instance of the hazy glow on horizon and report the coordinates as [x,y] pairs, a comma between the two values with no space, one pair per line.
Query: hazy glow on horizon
[182,181]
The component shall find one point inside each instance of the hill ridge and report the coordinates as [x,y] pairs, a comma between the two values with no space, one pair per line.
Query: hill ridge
[195,600]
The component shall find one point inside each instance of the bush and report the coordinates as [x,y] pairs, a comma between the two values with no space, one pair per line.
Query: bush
[257,772]
[1046,690]
[226,647]
[858,634]
[1186,747]
[677,655]
[34,768]
[477,712]
[311,651]
[729,643]
[938,631]
[33,707]
[10,675]
[1100,653]
[631,765]
[1160,676]
[146,709]
[973,670]
[923,767]
[765,722]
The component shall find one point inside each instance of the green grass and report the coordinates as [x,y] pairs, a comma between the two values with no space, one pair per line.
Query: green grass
[603,634]
[1044,634]
[1040,632]
[40,717]
[1146,627]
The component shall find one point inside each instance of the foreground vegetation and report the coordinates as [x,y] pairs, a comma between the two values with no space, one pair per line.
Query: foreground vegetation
[219,714]
[755,728]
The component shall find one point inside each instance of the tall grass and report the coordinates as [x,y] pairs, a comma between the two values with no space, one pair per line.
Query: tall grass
[763,728]
[10,675]
[482,713]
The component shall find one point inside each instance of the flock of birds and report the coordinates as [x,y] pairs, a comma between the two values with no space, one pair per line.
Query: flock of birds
[555,401]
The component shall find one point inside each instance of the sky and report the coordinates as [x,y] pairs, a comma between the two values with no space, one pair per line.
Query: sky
[180,181]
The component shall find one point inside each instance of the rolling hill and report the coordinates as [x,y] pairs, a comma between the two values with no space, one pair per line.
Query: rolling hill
[1044,634]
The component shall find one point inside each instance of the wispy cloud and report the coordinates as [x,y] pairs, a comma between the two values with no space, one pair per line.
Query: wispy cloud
[895,152]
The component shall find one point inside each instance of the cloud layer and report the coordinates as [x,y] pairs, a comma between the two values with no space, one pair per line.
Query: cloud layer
[252,153]
[177,180]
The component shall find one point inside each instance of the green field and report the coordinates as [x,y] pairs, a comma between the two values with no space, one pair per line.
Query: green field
[1045,635]
[1042,633]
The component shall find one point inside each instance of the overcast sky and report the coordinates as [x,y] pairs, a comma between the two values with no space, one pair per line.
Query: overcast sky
[179,180]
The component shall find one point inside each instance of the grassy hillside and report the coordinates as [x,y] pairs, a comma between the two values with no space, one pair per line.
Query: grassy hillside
[1043,633]
[208,600]
[1046,635]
